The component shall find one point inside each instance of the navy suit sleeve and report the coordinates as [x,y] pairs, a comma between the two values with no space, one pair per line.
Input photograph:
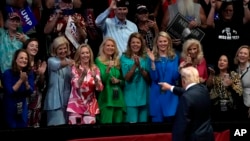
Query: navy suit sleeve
[178,90]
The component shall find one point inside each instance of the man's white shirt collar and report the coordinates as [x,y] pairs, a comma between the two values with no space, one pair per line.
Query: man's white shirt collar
[190,85]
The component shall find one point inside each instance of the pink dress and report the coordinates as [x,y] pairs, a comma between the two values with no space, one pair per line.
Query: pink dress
[82,104]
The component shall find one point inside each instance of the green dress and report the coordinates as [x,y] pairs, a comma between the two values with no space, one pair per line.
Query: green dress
[112,105]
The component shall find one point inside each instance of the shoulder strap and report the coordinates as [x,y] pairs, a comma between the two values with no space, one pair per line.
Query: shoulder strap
[244,72]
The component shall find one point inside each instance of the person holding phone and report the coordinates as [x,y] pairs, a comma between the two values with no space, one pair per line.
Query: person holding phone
[192,55]
[111,99]
[57,24]
[11,39]
[146,24]
[225,91]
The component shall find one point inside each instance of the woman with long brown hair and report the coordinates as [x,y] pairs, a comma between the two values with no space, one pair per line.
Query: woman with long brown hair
[18,82]
[39,68]
[135,71]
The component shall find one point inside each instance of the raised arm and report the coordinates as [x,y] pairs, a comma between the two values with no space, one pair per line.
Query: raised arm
[100,19]
[210,18]
[165,20]
[246,17]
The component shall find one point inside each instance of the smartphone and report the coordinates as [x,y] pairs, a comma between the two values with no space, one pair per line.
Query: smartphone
[19,29]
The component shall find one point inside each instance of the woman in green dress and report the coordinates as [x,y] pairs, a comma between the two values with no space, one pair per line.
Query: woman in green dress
[110,100]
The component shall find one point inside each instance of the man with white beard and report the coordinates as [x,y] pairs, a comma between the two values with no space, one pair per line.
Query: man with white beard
[192,11]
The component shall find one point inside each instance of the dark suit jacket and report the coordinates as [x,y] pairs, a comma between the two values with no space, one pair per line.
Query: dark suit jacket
[193,115]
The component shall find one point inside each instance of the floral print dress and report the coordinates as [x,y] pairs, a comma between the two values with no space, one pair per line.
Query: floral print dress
[82,105]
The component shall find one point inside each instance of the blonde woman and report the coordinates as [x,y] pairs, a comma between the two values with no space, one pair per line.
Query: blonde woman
[164,68]
[59,87]
[111,99]
[242,60]
[192,55]
[83,106]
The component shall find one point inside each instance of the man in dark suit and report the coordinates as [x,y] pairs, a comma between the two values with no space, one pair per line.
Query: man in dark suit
[192,121]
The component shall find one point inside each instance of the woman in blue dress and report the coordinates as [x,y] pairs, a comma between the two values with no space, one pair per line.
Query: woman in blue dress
[164,68]
[18,82]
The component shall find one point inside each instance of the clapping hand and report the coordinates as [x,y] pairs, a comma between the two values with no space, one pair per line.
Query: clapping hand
[82,75]
[23,76]
[114,80]
[41,67]
[136,60]
[84,72]
[93,74]
[150,55]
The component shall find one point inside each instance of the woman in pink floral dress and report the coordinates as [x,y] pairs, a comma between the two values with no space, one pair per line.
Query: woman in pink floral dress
[82,105]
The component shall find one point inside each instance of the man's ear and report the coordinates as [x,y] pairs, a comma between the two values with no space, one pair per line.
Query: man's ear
[183,82]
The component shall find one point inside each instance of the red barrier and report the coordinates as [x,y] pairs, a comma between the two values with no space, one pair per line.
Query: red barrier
[219,136]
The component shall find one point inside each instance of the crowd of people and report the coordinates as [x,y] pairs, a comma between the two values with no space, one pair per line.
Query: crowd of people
[65,62]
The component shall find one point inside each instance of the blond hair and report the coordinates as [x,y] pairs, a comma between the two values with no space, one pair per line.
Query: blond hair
[77,56]
[187,44]
[190,75]
[57,42]
[236,61]
[170,51]
[102,56]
